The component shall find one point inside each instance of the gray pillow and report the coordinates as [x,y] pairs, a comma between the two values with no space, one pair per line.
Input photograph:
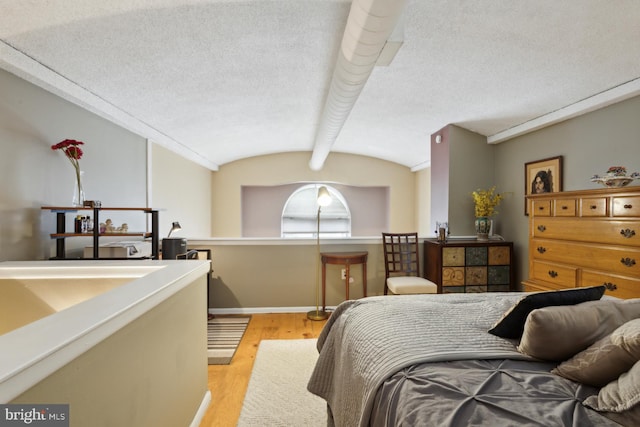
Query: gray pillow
[558,333]
[606,359]
[512,322]
[620,399]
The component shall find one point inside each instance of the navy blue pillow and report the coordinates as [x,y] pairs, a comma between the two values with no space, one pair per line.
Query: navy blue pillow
[511,325]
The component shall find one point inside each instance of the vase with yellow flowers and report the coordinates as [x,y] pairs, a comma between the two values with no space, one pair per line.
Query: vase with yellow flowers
[486,202]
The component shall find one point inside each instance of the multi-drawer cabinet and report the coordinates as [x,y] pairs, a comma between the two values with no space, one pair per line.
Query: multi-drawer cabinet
[469,265]
[585,238]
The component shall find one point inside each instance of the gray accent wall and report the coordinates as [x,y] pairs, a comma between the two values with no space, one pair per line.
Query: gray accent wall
[589,144]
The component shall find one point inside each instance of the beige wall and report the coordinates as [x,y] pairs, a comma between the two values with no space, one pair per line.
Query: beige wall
[423,207]
[294,167]
[273,275]
[283,274]
[116,162]
[152,372]
[181,190]
[25,301]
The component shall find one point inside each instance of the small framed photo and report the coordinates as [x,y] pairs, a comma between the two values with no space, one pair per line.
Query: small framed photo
[542,176]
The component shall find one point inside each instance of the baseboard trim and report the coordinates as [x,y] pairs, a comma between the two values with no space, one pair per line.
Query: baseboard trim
[257,310]
[202,410]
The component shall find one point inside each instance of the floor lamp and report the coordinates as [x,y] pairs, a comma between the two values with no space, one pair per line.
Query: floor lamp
[323,199]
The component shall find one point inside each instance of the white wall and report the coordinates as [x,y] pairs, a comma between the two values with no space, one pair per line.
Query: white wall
[115,163]
[32,175]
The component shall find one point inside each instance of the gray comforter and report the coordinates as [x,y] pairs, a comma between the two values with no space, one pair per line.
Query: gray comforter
[366,341]
[498,392]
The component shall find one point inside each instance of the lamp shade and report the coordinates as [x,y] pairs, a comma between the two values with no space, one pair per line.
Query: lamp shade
[324,198]
[175,226]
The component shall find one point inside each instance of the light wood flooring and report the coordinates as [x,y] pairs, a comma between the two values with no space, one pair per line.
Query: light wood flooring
[228,383]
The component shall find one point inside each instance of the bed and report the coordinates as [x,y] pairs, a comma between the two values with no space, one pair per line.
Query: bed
[538,359]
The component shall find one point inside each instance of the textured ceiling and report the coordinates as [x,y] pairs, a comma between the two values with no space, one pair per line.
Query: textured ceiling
[218,81]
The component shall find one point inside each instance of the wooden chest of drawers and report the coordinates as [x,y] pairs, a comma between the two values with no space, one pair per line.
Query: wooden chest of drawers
[585,238]
[469,265]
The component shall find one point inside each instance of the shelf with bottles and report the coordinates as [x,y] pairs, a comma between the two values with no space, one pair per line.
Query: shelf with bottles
[96,233]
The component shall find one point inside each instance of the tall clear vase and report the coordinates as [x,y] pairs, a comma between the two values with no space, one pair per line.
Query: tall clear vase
[78,191]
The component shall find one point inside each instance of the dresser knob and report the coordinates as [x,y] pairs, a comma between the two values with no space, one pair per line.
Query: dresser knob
[541,249]
[628,262]
[610,286]
[564,208]
[593,207]
[553,274]
[628,233]
[628,206]
[541,228]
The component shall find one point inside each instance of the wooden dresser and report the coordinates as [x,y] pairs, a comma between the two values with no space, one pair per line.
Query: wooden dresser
[469,265]
[585,238]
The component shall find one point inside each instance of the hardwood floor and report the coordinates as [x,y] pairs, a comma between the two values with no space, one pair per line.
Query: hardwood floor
[228,383]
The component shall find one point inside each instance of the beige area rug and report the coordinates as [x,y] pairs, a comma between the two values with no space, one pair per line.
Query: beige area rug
[277,394]
[223,336]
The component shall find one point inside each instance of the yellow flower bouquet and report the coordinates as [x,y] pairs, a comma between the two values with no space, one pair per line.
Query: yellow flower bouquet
[486,202]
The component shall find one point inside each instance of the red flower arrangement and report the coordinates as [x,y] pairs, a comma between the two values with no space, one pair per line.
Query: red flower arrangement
[71,149]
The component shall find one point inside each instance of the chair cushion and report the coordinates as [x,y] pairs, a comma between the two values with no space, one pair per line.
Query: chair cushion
[411,285]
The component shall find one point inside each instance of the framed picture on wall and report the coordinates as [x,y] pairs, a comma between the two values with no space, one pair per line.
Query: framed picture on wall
[542,176]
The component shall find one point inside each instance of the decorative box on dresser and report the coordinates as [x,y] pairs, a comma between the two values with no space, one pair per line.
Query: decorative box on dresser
[469,265]
[585,238]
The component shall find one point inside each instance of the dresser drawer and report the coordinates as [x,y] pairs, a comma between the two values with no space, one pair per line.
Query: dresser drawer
[616,259]
[564,207]
[475,255]
[452,276]
[499,255]
[462,265]
[529,286]
[617,286]
[540,208]
[626,206]
[593,207]
[588,230]
[585,238]
[453,256]
[557,276]
[476,276]
[499,275]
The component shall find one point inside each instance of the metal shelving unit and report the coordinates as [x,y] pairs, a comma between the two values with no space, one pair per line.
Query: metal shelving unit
[61,233]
